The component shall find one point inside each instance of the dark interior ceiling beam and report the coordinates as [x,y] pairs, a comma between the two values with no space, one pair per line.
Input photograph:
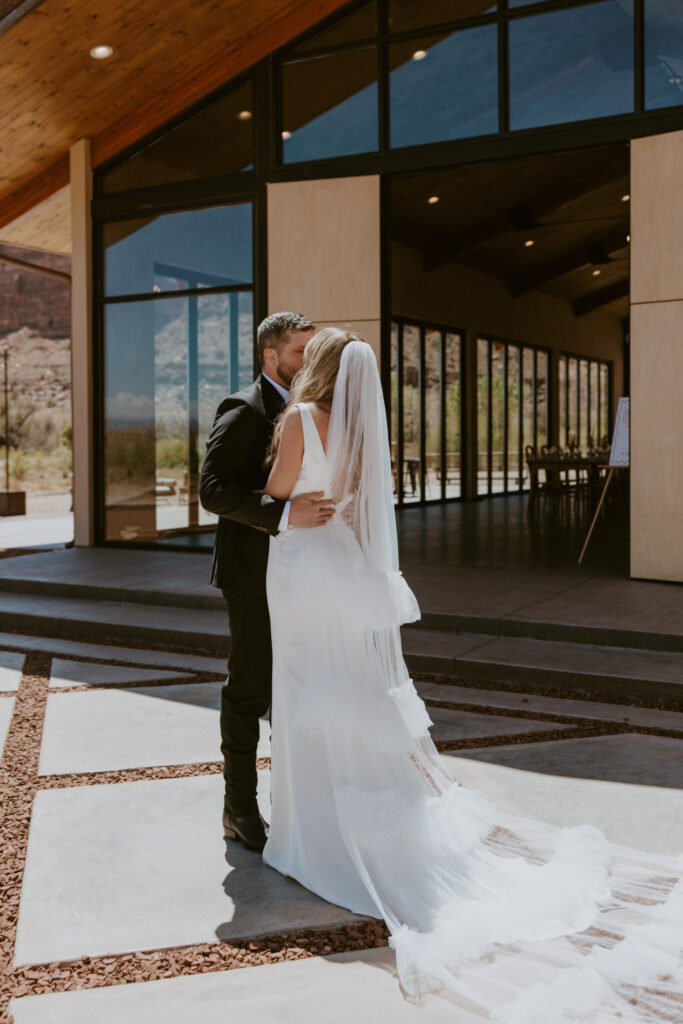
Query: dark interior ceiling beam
[595,254]
[527,216]
[589,303]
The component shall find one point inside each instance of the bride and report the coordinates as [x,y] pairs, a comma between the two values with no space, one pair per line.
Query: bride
[530,923]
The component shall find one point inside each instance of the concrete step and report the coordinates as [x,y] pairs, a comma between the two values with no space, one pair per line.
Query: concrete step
[604,612]
[520,662]
[163,627]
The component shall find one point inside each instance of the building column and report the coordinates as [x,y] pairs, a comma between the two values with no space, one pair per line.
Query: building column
[656,353]
[82,383]
[324,252]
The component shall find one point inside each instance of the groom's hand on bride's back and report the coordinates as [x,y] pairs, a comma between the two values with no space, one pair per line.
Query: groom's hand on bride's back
[311,509]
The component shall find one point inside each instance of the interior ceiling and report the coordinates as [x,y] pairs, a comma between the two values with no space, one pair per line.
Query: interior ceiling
[569,204]
[167,56]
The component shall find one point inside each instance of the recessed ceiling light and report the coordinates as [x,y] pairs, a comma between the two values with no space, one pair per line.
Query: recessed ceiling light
[433,199]
[419,55]
[596,272]
[101,52]
[244,115]
[628,238]
[625,198]
[286,135]
[529,242]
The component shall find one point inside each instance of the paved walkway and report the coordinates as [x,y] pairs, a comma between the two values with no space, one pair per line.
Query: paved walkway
[48,521]
[124,901]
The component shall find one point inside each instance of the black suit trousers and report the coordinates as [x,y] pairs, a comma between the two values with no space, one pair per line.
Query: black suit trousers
[245,697]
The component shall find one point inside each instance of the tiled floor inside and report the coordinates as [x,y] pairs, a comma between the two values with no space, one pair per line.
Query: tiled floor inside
[127,905]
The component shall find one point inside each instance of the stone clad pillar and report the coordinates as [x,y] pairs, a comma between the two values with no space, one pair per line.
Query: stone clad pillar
[82,383]
[657,357]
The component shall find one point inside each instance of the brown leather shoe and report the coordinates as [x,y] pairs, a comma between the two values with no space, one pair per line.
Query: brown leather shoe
[250,830]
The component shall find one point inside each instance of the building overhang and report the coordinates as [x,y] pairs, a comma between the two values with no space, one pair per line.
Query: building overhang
[166,57]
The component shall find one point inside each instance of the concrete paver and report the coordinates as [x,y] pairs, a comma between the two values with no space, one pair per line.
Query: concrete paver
[143,865]
[451,724]
[628,757]
[359,987]
[6,709]
[71,673]
[11,665]
[641,816]
[36,531]
[136,727]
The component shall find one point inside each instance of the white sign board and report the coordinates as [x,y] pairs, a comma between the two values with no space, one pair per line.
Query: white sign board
[619,456]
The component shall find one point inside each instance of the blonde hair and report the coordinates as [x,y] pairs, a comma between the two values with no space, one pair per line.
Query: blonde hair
[316,379]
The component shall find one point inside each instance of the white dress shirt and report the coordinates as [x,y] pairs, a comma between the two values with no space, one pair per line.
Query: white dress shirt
[284,395]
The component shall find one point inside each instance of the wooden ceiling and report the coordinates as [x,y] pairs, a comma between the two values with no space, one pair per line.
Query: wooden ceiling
[569,204]
[167,56]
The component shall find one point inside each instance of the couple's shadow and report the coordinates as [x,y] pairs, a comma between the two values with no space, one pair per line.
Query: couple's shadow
[266,902]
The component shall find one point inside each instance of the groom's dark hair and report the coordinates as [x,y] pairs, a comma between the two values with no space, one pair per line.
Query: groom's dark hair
[273,330]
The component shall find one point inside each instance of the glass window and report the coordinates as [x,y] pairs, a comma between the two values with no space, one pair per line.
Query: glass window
[407,14]
[663,53]
[355,28]
[168,364]
[215,141]
[563,394]
[572,64]
[432,400]
[425,412]
[176,251]
[584,402]
[542,408]
[482,416]
[604,402]
[514,456]
[498,381]
[411,413]
[453,398]
[444,87]
[329,106]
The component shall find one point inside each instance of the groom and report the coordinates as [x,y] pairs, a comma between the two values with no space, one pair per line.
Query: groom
[232,477]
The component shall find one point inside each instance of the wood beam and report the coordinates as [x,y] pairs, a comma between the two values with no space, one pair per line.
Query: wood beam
[35,191]
[526,217]
[589,303]
[566,263]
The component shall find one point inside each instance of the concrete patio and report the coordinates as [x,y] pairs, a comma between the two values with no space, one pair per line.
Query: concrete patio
[134,908]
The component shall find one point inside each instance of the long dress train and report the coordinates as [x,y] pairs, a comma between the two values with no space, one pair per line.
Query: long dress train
[531,923]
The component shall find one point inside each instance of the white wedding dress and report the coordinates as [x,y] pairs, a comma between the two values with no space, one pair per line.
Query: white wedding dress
[529,923]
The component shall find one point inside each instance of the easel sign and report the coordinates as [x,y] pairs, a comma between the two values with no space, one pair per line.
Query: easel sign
[621,447]
[619,458]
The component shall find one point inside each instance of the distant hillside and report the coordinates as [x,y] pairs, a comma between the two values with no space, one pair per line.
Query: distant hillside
[39,369]
[32,300]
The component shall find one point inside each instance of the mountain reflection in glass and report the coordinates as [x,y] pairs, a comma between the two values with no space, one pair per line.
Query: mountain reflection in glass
[176,251]
[571,65]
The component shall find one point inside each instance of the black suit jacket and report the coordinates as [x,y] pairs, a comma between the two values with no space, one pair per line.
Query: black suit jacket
[231,472]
